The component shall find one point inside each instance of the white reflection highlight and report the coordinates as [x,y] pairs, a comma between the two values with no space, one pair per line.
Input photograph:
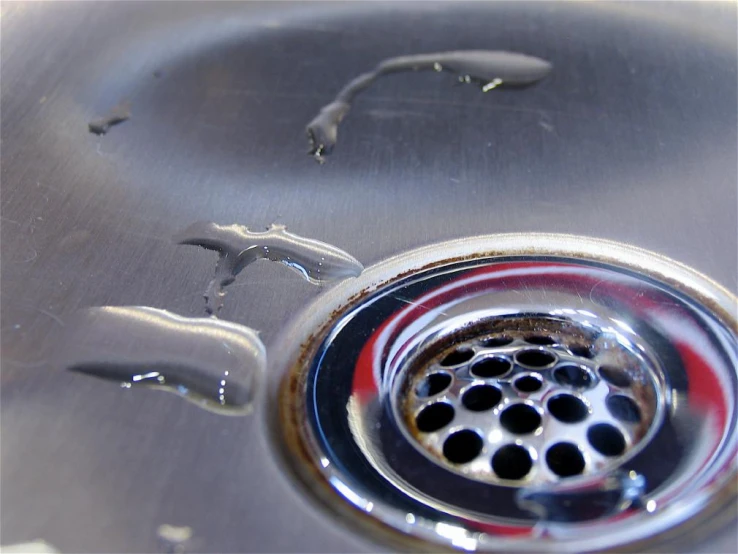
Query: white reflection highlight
[457,535]
[348,494]
[150,375]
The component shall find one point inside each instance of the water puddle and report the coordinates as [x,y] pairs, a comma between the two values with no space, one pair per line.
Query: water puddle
[490,69]
[594,498]
[210,362]
[238,247]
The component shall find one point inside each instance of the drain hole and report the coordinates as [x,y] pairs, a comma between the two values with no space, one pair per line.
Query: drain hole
[573,376]
[481,397]
[581,350]
[615,376]
[434,384]
[565,459]
[520,419]
[535,358]
[458,356]
[624,408]
[511,462]
[541,340]
[606,439]
[434,417]
[567,408]
[491,367]
[462,446]
[491,342]
[529,383]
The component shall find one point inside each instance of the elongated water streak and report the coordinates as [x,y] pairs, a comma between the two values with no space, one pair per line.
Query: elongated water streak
[489,68]
[238,247]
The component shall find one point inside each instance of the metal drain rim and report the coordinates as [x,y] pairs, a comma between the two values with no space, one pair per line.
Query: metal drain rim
[303,451]
[679,276]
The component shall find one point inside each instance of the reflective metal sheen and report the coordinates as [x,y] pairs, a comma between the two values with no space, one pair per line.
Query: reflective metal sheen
[631,137]
[406,401]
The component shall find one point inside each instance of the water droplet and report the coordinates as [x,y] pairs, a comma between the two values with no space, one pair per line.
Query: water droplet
[118,114]
[316,261]
[487,67]
[139,346]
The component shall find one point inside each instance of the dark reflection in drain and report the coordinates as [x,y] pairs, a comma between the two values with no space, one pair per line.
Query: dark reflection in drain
[624,408]
[573,376]
[433,384]
[535,358]
[565,459]
[490,69]
[520,419]
[487,368]
[606,439]
[462,446]
[481,397]
[568,408]
[512,462]
[528,383]
[434,417]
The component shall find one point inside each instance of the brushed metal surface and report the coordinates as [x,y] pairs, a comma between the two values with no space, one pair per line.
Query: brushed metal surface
[632,137]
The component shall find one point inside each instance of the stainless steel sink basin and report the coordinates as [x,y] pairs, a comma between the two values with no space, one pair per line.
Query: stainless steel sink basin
[631,137]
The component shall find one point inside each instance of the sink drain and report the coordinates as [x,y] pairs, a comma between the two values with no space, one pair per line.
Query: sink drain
[519,393]
[534,400]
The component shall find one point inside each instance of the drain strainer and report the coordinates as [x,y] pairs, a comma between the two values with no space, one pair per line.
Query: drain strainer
[533,399]
[519,392]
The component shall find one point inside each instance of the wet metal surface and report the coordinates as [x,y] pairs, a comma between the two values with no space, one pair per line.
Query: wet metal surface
[633,138]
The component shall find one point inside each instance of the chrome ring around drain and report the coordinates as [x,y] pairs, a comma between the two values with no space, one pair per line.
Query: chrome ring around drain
[371,334]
